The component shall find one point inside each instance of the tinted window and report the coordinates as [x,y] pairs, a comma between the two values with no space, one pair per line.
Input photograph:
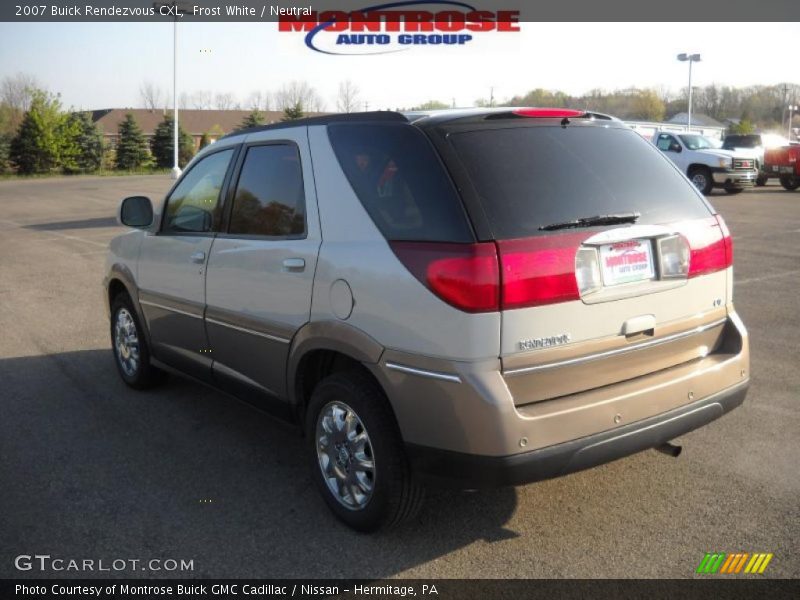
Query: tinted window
[529,177]
[270,199]
[400,181]
[193,204]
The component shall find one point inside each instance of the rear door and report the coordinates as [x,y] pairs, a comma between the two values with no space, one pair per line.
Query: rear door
[586,306]
[172,265]
[261,268]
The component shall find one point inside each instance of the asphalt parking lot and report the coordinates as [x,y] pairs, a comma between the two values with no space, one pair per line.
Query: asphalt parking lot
[91,469]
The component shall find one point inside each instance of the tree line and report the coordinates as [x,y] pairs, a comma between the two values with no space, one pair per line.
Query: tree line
[38,136]
[287,96]
[763,107]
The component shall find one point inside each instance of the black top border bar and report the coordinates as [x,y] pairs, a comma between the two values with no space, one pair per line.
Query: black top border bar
[528,10]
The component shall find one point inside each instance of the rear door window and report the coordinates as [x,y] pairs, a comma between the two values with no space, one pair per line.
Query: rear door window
[270,198]
[401,182]
[528,177]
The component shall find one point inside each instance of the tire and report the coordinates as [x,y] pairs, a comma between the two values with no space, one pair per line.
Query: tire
[131,352]
[734,191]
[761,181]
[790,183]
[379,491]
[702,179]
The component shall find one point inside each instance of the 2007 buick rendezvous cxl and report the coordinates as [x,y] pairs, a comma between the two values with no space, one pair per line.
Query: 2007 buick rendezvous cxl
[481,297]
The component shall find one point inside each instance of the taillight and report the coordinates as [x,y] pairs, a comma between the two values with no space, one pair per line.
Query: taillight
[463,275]
[710,245]
[491,276]
[539,270]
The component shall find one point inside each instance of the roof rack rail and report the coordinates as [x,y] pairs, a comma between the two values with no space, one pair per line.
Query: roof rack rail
[376,115]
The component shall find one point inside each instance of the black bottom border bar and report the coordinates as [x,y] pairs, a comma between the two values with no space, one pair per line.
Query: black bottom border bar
[712,586]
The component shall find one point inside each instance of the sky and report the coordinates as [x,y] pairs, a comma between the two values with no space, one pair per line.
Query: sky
[102,65]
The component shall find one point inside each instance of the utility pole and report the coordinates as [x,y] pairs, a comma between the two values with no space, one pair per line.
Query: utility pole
[176,9]
[785,102]
[690,58]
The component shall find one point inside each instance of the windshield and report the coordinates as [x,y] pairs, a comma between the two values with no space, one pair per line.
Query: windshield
[530,177]
[697,142]
[732,142]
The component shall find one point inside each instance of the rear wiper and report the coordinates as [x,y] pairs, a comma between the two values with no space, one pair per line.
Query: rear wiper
[592,221]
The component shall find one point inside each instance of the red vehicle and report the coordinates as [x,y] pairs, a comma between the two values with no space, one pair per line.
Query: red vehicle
[784,163]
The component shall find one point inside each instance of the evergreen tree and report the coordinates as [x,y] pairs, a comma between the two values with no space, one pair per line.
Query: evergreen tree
[254,119]
[131,147]
[5,147]
[80,144]
[204,140]
[68,134]
[35,148]
[162,144]
[291,113]
[89,140]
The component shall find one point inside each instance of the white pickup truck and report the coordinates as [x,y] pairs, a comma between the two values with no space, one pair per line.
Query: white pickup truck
[708,167]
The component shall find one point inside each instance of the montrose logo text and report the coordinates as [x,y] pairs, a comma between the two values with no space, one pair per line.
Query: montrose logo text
[396,26]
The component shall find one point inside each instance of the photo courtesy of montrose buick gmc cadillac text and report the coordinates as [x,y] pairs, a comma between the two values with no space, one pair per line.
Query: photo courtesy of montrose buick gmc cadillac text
[471,297]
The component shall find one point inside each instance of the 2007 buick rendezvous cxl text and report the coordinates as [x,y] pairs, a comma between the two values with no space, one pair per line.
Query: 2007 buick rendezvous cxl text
[479,297]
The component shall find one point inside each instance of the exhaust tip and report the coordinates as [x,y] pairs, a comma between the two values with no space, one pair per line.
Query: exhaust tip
[670,449]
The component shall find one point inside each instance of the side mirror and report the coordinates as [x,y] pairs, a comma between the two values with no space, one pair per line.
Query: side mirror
[675,147]
[136,211]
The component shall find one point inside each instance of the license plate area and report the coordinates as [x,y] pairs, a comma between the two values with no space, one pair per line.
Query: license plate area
[626,262]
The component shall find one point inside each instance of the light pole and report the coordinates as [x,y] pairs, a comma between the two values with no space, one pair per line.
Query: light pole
[175,9]
[792,107]
[690,58]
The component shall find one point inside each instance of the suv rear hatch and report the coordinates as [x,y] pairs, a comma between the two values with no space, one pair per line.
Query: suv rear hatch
[610,266]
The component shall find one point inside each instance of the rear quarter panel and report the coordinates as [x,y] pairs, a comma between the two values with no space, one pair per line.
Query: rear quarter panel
[390,305]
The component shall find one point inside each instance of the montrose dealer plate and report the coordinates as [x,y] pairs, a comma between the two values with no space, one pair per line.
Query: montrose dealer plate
[625,262]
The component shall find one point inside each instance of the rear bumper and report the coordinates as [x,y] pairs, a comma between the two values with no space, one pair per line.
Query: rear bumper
[456,469]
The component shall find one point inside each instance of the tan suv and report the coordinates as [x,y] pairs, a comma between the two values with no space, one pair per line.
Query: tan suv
[482,297]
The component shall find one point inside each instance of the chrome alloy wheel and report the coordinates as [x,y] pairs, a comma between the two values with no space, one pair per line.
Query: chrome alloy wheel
[126,342]
[700,181]
[344,452]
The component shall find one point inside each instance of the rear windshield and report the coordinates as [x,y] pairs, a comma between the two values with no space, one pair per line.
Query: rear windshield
[399,179]
[531,177]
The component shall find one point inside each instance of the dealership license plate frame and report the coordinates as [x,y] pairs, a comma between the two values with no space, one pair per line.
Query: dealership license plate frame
[626,265]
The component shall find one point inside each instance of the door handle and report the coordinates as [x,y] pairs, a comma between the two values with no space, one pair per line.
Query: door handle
[642,324]
[199,257]
[294,264]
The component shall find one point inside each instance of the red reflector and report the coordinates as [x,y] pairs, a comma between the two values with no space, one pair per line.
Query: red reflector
[463,275]
[711,247]
[557,113]
[539,270]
